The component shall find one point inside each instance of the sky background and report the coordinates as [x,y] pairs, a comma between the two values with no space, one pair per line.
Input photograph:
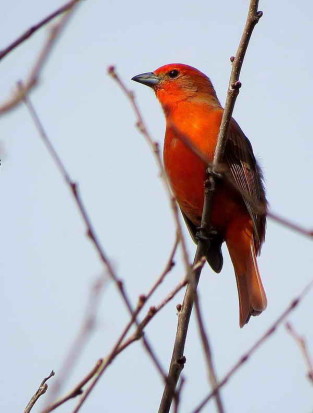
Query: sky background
[48,265]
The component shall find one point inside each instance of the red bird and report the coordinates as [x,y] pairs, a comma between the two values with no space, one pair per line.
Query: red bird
[191,107]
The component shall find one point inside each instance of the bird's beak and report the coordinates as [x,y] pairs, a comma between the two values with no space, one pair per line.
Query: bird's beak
[148,79]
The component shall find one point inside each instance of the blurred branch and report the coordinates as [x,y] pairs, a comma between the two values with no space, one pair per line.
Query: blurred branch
[291,225]
[41,390]
[79,343]
[26,35]
[191,292]
[77,390]
[32,79]
[268,333]
[304,349]
[234,84]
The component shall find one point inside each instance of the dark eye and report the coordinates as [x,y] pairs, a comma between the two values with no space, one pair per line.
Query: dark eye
[173,73]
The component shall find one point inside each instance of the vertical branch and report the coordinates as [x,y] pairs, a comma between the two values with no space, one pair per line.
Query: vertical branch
[234,84]
[178,359]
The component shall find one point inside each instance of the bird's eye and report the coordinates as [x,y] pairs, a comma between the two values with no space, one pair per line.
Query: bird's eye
[173,73]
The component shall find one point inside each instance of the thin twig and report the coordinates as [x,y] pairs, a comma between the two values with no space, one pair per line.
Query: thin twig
[28,33]
[41,390]
[178,359]
[304,349]
[234,84]
[32,79]
[268,333]
[291,225]
[151,314]
[77,390]
[208,354]
[168,267]
[184,317]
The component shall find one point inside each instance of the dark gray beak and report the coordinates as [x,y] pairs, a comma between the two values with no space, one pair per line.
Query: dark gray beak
[148,79]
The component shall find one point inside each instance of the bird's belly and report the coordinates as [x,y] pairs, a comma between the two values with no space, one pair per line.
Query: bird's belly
[186,173]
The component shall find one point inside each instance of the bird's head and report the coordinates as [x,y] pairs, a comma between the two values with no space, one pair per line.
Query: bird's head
[177,82]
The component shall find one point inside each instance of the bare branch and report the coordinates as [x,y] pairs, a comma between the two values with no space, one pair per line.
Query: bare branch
[168,267]
[304,349]
[80,341]
[41,390]
[151,313]
[291,225]
[268,333]
[32,79]
[26,35]
[77,390]
[207,353]
[234,84]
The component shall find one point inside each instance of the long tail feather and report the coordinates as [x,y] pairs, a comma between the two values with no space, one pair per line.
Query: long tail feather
[252,297]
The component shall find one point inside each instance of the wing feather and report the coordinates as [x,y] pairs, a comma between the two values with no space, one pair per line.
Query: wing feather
[247,176]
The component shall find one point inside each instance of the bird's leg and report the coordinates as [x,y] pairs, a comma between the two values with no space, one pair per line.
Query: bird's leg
[205,234]
[215,174]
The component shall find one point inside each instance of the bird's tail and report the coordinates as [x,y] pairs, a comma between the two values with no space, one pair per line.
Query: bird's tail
[252,297]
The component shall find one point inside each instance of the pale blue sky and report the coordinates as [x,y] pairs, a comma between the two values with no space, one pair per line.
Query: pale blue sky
[47,264]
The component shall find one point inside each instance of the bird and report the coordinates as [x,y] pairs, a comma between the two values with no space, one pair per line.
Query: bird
[192,109]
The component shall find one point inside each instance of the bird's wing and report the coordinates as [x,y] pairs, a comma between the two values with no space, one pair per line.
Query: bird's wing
[246,174]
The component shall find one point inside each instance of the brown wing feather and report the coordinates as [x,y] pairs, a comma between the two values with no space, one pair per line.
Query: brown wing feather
[247,177]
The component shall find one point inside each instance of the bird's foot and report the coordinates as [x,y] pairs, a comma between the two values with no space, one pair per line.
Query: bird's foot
[204,234]
[213,172]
